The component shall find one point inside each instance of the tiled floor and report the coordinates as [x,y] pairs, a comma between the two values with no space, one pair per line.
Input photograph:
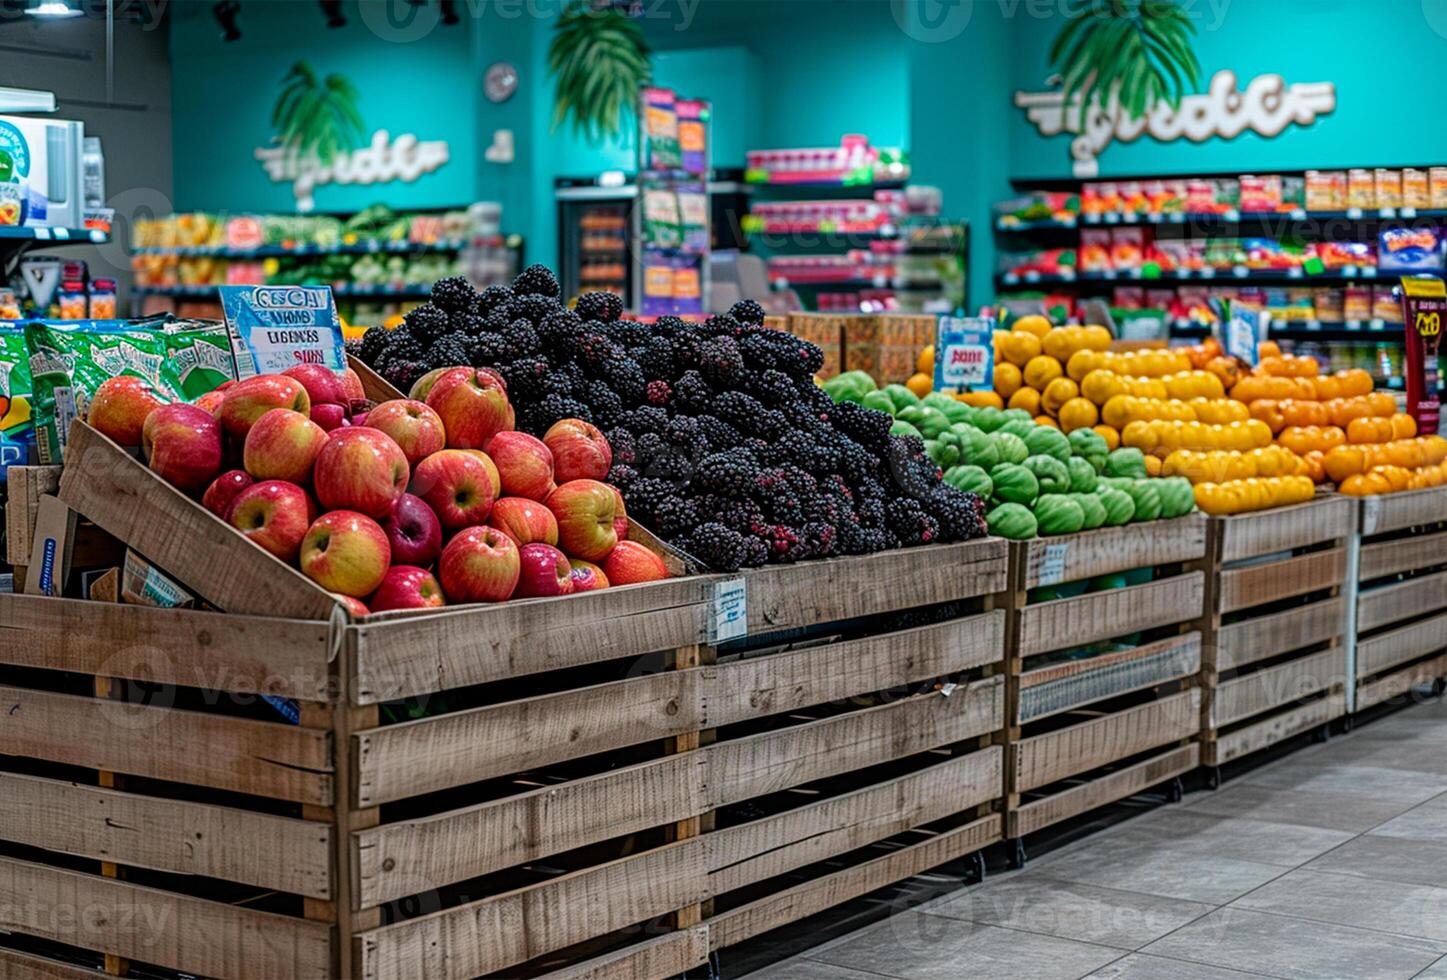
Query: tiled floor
[1330,862]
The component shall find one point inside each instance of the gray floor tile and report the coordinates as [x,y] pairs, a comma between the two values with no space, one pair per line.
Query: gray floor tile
[919,946]
[1411,752]
[1200,832]
[1334,811]
[1323,774]
[1155,868]
[1071,910]
[1388,858]
[1427,822]
[1284,946]
[802,968]
[1437,971]
[1386,906]
[1142,966]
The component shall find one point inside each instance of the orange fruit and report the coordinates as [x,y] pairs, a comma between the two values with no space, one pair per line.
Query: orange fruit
[1403,426]
[1007,379]
[1110,434]
[1032,324]
[983,399]
[1041,370]
[1018,347]
[1056,394]
[925,364]
[921,384]
[1077,413]
[1046,420]
[1026,398]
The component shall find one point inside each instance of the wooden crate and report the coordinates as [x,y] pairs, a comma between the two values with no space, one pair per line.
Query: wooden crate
[1102,699]
[1274,630]
[1400,624]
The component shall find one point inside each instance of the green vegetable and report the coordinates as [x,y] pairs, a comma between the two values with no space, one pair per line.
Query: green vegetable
[971,478]
[1014,483]
[1017,428]
[1056,513]
[1082,475]
[1118,482]
[1050,472]
[900,396]
[1089,446]
[1119,507]
[1147,500]
[851,386]
[1126,461]
[1017,414]
[929,421]
[878,401]
[1092,508]
[1178,498]
[976,447]
[1011,521]
[989,418]
[955,411]
[1042,440]
[1011,448]
[1104,583]
[903,429]
[945,450]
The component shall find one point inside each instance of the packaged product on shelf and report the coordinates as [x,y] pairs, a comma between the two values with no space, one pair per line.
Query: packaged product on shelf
[693,134]
[1128,248]
[1164,196]
[1357,303]
[1437,186]
[273,328]
[1328,303]
[72,300]
[662,225]
[1385,305]
[687,287]
[9,305]
[660,127]
[1128,298]
[1293,193]
[200,354]
[1095,250]
[1326,190]
[1100,199]
[103,299]
[1361,189]
[1132,198]
[1388,185]
[1179,254]
[1161,299]
[1260,193]
[1224,253]
[1337,255]
[17,426]
[1226,194]
[693,219]
[1410,250]
[1200,196]
[1415,193]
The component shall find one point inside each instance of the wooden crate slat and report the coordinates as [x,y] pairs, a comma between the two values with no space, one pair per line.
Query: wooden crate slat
[1047,626]
[504,930]
[24,487]
[770,846]
[1402,555]
[105,484]
[1390,603]
[1254,640]
[773,761]
[1060,687]
[1066,752]
[1400,682]
[801,901]
[665,956]
[374,386]
[217,651]
[154,926]
[1394,511]
[765,685]
[414,655]
[1252,738]
[1071,557]
[1250,694]
[1101,790]
[168,835]
[1393,647]
[398,761]
[1256,585]
[408,857]
[258,757]
[1284,528]
[784,597]
[15,965]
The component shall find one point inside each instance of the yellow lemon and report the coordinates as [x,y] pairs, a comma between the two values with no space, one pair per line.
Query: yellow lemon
[1019,347]
[1046,420]
[1096,337]
[1026,398]
[1100,386]
[925,364]
[920,384]
[1110,434]
[983,399]
[1042,370]
[1056,394]
[1077,413]
[1032,324]
[1007,379]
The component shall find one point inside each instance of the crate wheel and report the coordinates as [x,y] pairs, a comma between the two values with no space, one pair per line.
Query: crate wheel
[1175,790]
[1213,777]
[1015,853]
[1321,734]
[974,869]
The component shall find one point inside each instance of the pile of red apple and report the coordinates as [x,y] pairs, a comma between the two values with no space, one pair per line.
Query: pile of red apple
[410,504]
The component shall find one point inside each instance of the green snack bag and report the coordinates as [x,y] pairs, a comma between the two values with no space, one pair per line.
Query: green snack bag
[17,427]
[200,356]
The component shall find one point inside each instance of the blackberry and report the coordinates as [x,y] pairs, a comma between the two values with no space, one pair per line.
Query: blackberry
[487,349]
[737,409]
[818,539]
[621,475]
[747,311]
[623,444]
[716,546]
[645,418]
[674,516]
[655,359]
[755,554]
[659,393]
[536,280]
[810,451]
[650,447]
[599,305]
[532,308]
[631,335]
[402,346]
[960,514]
[402,373]
[491,298]
[454,295]
[913,471]
[816,400]
[522,339]
[687,345]
[773,387]
[563,381]
[692,394]
[721,363]
[625,377]
[720,434]
[559,326]
[668,324]
[644,495]
[729,472]
[867,426]
[352,347]
[554,407]
[871,511]
[427,322]
[759,353]
[742,515]
[769,424]
[797,358]
[449,350]
[911,523]
[721,325]
[604,402]
[856,463]
[670,463]
[374,341]
[469,323]
[784,544]
[525,378]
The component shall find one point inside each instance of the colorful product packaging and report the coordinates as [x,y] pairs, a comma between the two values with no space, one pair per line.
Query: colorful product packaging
[1361,189]
[660,122]
[17,427]
[200,355]
[1127,248]
[1326,190]
[1424,305]
[1437,186]
[1095,250]
[693,219]
[276,327]
[1410,250]
[693,115]
[1415,189]
[1260,194]
[1388,185]
[662,222]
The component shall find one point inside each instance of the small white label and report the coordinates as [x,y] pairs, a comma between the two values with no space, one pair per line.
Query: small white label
[1052,563]
[1371,514]
[948,689]
[730,611]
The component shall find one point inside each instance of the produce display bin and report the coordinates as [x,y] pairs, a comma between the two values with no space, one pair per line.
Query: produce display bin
[26,485]
[1102,692]
[1401,605]
[1274,653]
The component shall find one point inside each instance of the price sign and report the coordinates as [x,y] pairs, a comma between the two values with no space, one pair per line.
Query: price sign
[1245,330]
[276,327]
[964,352]
[730,620]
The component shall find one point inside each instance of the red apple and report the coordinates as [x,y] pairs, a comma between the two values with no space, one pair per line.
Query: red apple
[359,418]
[322,384]
[579,450]
[211,401]
[248,400]
[347,552]
[620,515]
[524,520]
[545,571]
[586,510]
[631,562]
[119,407]
[182,443]
[412,425]
[351,384]
[273,515]
[353,605]
[406,587]
[493,476]
[524,464]
[480,564]
[360,469]
[457,486]
[414,532]
[223,490]
[423,385]
[587,576]
[282,445]
[330,415]
[473,405]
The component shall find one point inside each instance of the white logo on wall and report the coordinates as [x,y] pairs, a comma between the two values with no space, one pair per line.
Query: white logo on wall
[1267,106]
[383,160]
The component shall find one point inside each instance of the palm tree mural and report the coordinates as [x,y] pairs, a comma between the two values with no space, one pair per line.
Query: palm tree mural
[315,116]
[600,63]
[1138,51]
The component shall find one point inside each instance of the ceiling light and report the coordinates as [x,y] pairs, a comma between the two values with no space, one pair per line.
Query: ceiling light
[55,9]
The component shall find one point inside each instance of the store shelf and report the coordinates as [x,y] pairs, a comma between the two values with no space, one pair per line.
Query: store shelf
[79,236]
[847,181]
[1344,275]
[340,290]
[1217,220]
[1302,328]
[370,247]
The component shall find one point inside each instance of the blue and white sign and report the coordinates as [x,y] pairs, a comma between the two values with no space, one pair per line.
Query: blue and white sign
[964,353]
[1245,330]
[277,327]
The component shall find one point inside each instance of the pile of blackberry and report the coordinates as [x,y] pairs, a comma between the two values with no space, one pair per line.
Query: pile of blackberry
[722,442]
